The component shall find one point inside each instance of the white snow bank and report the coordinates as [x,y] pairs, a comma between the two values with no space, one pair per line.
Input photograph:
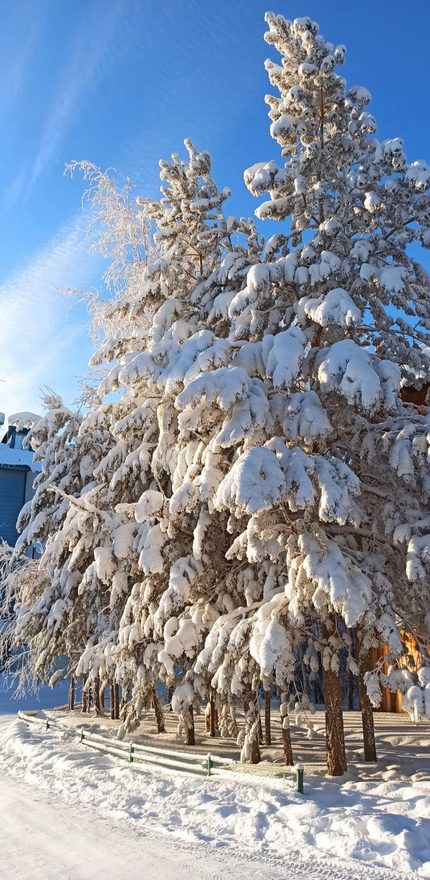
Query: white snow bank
[387,824]
[44,838]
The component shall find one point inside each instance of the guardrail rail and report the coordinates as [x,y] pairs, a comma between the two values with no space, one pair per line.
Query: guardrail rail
[190,762]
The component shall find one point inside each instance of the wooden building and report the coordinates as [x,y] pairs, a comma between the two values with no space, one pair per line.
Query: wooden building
[17,472]
[393,702]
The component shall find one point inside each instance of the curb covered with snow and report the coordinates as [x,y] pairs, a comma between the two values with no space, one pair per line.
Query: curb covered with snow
[387,825]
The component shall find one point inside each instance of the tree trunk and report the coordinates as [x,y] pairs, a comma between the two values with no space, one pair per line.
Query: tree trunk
[260,729]
[84,698]
[212,715]
[267,727]
[159,715]
[369,744]
[318,685]
[349,675]
[191,736]
[335,737]
[170,693]
[234,724]
[96,692]
[350,691]
[288,749]
[102,698]
[71,694]
[123,702]
[286,732]
[305,679]
[253,722]
[114,702]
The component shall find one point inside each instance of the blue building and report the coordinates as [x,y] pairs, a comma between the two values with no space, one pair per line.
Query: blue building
[17,472]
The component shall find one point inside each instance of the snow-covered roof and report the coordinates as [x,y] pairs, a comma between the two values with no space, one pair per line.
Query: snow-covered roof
[17,458]
[23,419]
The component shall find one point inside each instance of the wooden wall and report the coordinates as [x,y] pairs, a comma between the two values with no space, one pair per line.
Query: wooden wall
[393,702]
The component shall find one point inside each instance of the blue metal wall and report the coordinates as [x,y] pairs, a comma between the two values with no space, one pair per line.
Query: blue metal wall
[12,497]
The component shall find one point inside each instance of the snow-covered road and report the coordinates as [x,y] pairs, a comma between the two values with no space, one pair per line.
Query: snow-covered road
[71,814]
[45,838]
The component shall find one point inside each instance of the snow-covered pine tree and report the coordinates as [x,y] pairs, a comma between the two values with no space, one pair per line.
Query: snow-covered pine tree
[357,305]
[97,543]
[297,429]
[40,601]
[193,561]
[264,475]
[164,334]
[74,522]
[53,439]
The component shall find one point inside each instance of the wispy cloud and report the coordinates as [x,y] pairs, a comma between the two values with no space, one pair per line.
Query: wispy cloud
[13,82]
[98,44]
[208,108]
[39,340]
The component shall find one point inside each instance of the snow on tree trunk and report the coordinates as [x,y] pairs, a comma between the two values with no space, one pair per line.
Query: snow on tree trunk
[286,731]
[250,752]
[122,702]
[182,704]
[170,692]
[85,700]
[159,714]
[227,720]
[369,743]
[234,725]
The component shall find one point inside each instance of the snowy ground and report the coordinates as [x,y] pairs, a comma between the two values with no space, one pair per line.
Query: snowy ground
[70,842]
[44,838]
[382,820]
[403,745]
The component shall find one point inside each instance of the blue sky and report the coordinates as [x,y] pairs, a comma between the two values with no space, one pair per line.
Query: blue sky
[122,82]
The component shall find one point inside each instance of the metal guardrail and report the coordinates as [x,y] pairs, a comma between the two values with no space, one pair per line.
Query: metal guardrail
[190,762]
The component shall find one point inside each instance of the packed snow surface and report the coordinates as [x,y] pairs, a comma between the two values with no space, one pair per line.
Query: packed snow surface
[385,824]
[44,838]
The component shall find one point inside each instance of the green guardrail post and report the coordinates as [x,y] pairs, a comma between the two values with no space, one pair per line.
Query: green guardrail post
[130,754]
[209,764]
[300,770]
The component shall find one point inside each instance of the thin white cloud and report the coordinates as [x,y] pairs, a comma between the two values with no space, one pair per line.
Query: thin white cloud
[100,41]
[14,189]
[40,341]
[15,68]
